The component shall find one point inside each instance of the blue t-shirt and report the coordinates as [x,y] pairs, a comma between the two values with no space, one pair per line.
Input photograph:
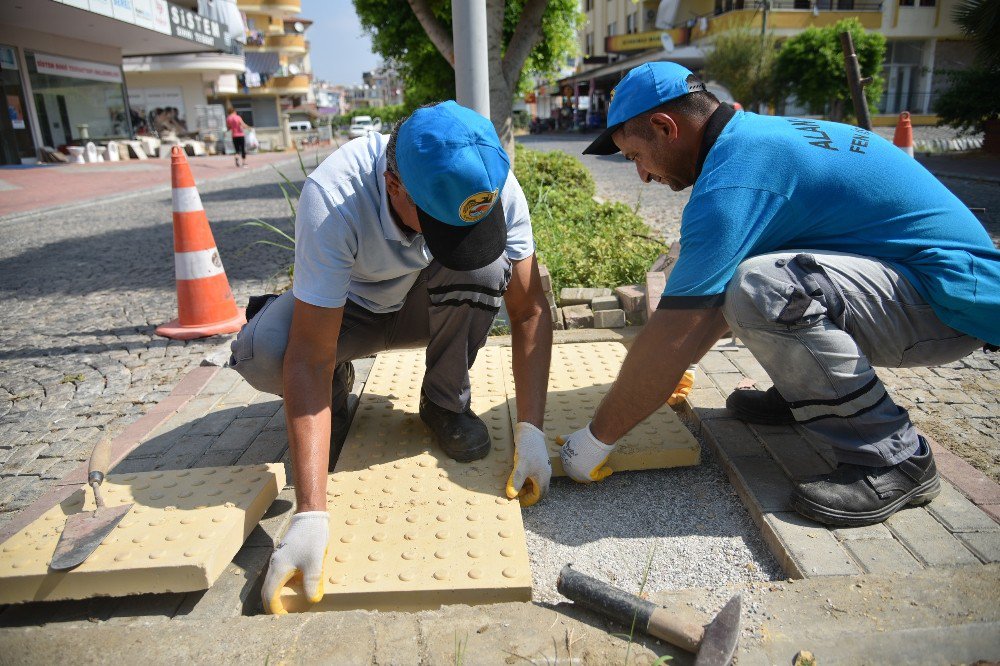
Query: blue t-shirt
[770,184]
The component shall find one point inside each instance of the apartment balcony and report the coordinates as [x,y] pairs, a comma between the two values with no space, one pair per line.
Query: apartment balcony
[284,85]
[273,7]
[282,43]
[205,63]
[787,17]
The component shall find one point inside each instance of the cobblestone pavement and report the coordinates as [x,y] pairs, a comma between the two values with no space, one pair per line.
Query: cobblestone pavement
[957,403]
[81,292]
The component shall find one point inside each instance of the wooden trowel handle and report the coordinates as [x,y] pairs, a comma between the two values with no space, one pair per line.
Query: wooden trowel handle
[100,460]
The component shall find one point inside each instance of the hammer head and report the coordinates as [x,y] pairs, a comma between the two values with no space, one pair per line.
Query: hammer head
[721,636]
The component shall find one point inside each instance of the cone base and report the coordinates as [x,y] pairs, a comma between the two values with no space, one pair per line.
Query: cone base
[173,329]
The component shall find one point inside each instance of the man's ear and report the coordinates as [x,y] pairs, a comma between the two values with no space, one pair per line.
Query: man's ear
[392,184]
[665,124]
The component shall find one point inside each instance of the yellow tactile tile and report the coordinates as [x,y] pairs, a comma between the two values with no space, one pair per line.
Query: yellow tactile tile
[185,527]
[412,529]
[580,376]
[399,375]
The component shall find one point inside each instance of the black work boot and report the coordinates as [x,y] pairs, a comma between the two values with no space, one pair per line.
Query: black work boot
[857,495]
[343,381]
[764,407]
[462,436]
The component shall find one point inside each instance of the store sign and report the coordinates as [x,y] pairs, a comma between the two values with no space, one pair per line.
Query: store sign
[8,59]
[640,41]
[161,16]
[77,69]
[143,13]
[195,28]
[123,10]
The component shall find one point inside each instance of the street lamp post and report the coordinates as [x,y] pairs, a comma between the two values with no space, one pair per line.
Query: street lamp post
[472,84]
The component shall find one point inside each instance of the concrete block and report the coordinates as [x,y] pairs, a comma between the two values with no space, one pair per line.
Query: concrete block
[604,303]
[806,549]
[957,513]
[550,299]
[543,273]
[632,297]
[928,539]
[986,545]
[578,316]
[609,319]
[412,529]
[184,528]
[636,318]
[885,556]
[580,295]
[656,282]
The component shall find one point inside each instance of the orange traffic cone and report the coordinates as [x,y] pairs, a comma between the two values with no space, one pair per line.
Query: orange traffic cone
[903,137]
[204,301]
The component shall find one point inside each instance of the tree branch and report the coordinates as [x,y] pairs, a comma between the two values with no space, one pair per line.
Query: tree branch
[437,33]
[526,35]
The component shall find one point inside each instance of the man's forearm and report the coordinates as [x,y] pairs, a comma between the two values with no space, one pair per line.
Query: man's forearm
[308,390]
[653,367]
[531,340]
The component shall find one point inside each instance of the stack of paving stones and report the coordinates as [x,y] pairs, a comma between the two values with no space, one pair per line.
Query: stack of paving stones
[958,528]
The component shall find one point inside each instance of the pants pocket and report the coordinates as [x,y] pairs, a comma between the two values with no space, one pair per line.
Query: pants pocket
[242,346]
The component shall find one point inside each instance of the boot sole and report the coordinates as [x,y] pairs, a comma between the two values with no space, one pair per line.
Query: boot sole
[919,496]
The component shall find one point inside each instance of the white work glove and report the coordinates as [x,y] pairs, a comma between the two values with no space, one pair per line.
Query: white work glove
[529,480]
[300,553]
[683,387]
[584,457]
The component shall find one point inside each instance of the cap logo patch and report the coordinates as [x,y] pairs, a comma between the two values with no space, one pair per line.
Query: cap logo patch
[477,206]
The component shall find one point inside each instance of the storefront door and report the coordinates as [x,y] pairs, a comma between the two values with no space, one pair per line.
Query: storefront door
[15,132]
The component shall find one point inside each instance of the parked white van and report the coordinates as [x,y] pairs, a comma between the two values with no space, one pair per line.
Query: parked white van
[361,125]
[300,125]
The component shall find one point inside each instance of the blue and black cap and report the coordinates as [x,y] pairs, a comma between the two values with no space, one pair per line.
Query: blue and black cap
[453,167]
[643,89]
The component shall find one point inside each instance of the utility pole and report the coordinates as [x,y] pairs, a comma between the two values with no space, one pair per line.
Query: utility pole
[472,80]
[765,8]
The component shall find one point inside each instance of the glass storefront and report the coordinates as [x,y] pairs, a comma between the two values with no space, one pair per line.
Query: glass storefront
[77,100]
[15,128]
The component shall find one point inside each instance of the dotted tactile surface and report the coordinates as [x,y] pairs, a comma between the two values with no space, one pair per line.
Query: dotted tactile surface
[580,376]
[399,375]
[412,529]
[185,527]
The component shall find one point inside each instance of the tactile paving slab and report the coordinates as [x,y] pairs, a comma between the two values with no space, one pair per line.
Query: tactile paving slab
[580,376]
[399,375]
[185,527]
[412,529]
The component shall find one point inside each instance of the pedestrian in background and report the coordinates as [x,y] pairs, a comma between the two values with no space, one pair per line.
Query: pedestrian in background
[236,125]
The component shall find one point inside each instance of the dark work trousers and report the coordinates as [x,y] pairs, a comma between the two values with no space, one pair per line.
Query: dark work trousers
[819,323]
[448,312]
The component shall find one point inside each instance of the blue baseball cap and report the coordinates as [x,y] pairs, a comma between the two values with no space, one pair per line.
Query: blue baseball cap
[453,167]
[643,89]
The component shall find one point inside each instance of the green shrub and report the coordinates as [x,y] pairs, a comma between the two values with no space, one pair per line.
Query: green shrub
[583,243]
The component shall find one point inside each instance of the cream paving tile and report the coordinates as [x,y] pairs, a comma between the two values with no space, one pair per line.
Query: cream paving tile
[399,375]
[185,527]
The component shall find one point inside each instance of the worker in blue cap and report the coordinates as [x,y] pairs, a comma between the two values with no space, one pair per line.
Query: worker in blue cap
[828,251]
[405,240]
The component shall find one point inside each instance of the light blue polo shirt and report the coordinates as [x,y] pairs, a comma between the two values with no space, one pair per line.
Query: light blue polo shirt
[771,183]
[347,245]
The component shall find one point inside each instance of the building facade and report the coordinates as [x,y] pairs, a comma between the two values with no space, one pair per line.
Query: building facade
[621,34]
[61,67]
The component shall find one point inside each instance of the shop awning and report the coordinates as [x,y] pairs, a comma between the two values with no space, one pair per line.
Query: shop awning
[691,57]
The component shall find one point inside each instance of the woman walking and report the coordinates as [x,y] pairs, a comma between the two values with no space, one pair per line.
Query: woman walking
[236,125]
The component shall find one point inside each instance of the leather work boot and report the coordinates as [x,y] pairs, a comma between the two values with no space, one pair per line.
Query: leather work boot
[857,495]
[763,407]
[462,436]
[343,381]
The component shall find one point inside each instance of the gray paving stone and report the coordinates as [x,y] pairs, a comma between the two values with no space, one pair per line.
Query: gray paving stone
[216,421]
[811,550]
[235,592]
[766,483]
[794,454]
[733,437]
[266,447]
[188,450]
[928,539]
[878,531]
[958,514]
[609,319]
[716,362]
[217,459]
[881,556]
[986,545]
[599,303]
[275,521]
[580,295]
[264,404]
[239,435]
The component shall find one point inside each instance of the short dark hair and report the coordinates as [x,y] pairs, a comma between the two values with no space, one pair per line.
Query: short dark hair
[699,105]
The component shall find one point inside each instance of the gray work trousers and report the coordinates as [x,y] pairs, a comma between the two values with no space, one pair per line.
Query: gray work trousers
[818,322]
[449,312]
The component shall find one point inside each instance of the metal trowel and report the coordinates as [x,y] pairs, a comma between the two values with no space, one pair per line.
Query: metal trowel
[85,531]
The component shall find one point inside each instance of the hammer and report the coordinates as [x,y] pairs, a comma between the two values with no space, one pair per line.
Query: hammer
[713,644]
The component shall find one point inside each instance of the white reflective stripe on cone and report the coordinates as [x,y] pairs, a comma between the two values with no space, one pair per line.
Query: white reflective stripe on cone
[197,264]
[186,200]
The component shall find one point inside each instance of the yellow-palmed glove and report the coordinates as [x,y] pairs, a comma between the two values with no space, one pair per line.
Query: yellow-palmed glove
[529,480]
[584,457]
[299,554]
[683,387]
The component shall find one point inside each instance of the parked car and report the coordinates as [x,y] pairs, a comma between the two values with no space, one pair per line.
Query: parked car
[362,125]
[300,125]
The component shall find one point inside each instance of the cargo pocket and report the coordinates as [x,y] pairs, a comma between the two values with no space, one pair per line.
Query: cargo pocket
[242,346]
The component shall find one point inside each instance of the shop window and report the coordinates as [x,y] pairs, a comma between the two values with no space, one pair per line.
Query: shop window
[630,24]
[612,28]
[589,39]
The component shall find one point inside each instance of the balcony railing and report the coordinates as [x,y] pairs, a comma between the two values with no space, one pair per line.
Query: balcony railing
[270,6]
[724,6]
[283,42]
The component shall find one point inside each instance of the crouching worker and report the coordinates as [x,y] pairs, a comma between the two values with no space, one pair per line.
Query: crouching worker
[402,241]
[828,251]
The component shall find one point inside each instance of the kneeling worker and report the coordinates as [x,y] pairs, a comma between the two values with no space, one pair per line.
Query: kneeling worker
[401,241]
[827,251]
